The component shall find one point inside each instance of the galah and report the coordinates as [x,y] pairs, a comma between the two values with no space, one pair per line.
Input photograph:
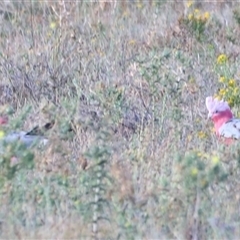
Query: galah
[27,138]
[225,124]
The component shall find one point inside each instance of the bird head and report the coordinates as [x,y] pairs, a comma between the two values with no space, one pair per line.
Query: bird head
[218,109]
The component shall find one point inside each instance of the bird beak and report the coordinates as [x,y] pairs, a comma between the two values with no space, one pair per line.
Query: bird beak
[209,115]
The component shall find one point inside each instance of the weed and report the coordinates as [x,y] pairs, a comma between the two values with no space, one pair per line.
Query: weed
[123,86]
[196,20]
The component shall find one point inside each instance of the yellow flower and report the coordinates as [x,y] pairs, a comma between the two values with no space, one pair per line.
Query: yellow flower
[189,137]
[190,17]
[222,92]
[53,25]
[189,4]
[198,120]
[126,14]
[236,91]
[2,134]
[139,5]
[222,58]
[192,80]
[215,160]
[196,11]
[101,53]
[206,16]
[199,154]
[194,171]
[222,79]
[231,83]
[132,42]
[202,134]
[93,40]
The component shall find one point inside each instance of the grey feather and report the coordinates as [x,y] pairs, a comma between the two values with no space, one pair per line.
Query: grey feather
[230,129]
[23,137]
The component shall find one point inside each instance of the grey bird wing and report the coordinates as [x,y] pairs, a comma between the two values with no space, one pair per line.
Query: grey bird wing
[230,129]
[23,137]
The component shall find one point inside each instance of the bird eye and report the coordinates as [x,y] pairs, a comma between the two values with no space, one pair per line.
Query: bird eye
[216,111]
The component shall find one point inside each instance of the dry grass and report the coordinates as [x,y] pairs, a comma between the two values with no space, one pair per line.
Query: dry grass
[130,80]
